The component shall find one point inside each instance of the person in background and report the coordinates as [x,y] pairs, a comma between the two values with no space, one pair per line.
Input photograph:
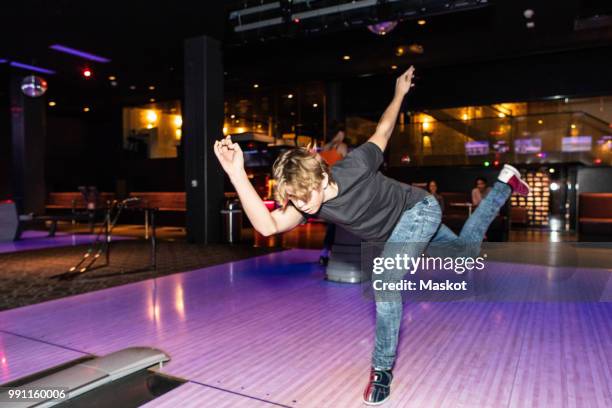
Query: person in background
[336,149]
[480,191]
[432,187]
[331,153]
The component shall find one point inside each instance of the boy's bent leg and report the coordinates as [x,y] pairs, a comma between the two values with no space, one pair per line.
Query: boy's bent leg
[445,243]
[508,181]
[478,223]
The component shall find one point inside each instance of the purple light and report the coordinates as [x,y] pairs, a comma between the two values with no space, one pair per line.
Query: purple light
[3,61]
[79,53]
[31,68]
[382,28]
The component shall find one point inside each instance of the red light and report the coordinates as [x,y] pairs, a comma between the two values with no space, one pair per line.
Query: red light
[597,161]
[87,73]
[496,163]
[296,20]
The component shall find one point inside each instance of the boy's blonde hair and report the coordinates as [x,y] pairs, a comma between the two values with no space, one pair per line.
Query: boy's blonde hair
[302,170]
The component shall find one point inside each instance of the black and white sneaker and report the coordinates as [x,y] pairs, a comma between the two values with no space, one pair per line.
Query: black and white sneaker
[378,390]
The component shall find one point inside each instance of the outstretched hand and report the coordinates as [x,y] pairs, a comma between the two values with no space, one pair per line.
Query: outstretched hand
[404,82]
[230,156]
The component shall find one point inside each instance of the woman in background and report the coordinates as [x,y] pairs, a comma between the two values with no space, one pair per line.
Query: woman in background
[432,187]
[480,191]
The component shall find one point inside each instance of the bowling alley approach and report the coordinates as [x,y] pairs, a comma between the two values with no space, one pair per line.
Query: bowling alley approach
[306,203]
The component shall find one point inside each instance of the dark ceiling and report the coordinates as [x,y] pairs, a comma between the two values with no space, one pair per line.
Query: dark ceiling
[144,41]
[492,30]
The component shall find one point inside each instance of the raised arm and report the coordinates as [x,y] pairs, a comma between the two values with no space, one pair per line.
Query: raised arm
[232,160]
[385,126]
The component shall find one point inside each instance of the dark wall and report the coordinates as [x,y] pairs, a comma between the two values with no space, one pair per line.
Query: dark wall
[88,151]
[152,174]
[595,180]
[5,136]
[28,140]
[83,150]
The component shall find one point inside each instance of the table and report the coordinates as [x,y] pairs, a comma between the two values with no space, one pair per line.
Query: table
[468,205]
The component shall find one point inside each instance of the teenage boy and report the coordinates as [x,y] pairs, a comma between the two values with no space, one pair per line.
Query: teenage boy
[356,196]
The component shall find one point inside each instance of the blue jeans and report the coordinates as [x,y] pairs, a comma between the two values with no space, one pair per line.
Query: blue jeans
[417,227]
[469,241]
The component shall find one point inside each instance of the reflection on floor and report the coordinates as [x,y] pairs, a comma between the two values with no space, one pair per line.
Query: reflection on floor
[270,331]
[31,240]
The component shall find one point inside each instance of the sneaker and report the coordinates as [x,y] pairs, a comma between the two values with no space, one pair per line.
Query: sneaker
[323,260]
[378,390]
[512,177]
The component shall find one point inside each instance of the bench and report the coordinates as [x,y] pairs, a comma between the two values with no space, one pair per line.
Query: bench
[519,216]
[74,201]
[594,216]
[163,201]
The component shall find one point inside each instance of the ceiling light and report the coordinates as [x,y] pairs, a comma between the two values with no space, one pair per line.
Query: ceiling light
[151,116]
[382,28]
[31,68]
[416,49]
[79,53]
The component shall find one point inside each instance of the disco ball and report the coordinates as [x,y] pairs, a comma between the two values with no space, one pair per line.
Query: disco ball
[382,28]
[33,86]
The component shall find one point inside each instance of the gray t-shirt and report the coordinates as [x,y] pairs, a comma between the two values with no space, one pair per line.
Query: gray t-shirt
[368,204]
